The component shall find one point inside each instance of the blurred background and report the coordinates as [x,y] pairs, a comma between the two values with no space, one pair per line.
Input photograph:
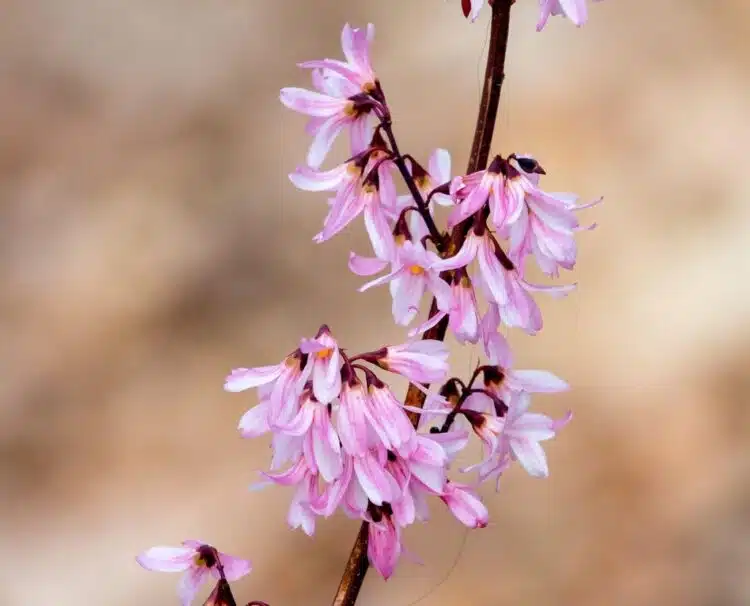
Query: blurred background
[150,241]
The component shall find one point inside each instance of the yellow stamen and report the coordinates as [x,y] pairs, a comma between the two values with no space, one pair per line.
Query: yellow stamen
[324,353]
[416,270]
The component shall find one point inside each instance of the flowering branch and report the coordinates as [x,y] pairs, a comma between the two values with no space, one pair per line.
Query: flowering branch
[357,564]
[340,437]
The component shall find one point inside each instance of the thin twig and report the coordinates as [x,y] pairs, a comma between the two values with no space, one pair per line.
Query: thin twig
[356,567]
[422,206]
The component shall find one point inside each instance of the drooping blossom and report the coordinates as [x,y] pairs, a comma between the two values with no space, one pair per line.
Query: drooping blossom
[462,311]
[325,364]
[465,505]
[363,185]
[346,94]
[199,561]
[413,274]
[384,545]
[285,381]
[424,361]
[501,281]
[575,10]
[520,439]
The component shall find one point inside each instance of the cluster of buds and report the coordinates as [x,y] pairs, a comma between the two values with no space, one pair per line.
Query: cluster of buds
[340,436]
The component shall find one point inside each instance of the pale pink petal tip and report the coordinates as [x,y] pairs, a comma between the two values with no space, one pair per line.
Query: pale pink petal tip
[234,567]
[166,559]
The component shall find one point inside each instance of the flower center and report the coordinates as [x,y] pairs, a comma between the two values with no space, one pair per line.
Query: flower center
[324,354]
[205,557]
[416,270]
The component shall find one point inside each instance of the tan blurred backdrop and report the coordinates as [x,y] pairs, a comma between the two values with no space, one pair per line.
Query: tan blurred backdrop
[150,241]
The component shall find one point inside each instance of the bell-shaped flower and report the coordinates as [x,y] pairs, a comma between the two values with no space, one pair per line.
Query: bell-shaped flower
[306,497]
[522,433]
[384,545]
[324,360]
[285,381]
[465,505]
[413,273]
[352,420]
[346,94]
[373,477]
[498,185]
[199,561]
[357,69]
[424,361]
[386,417]
[575,10]
[320,444]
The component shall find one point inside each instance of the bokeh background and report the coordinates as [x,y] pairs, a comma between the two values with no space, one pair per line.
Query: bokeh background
[150,241]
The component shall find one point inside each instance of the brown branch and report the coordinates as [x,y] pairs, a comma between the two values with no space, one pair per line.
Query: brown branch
[355,571]
[356,567]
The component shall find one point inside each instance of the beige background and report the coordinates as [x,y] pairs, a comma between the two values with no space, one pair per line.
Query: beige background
[150,241]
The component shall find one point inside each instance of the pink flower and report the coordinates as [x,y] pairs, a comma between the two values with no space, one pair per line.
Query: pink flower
[387,418]
[505,379]
[363,185]
[486,425]
[423,361]
[465,505]
[356,69]
[384,546]
[521,437]
[320,444]
[325,362]
[427,463]
[575,10]
[352,422]
[376,482]
[413,273]
[306,498]
[498,277]
[463,315]
[198,561]
[347,92]
[497,185]
[281,398]
[546,225]
[525,430]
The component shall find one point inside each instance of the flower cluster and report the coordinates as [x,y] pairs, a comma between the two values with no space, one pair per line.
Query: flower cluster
[344,441]
[575,10]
